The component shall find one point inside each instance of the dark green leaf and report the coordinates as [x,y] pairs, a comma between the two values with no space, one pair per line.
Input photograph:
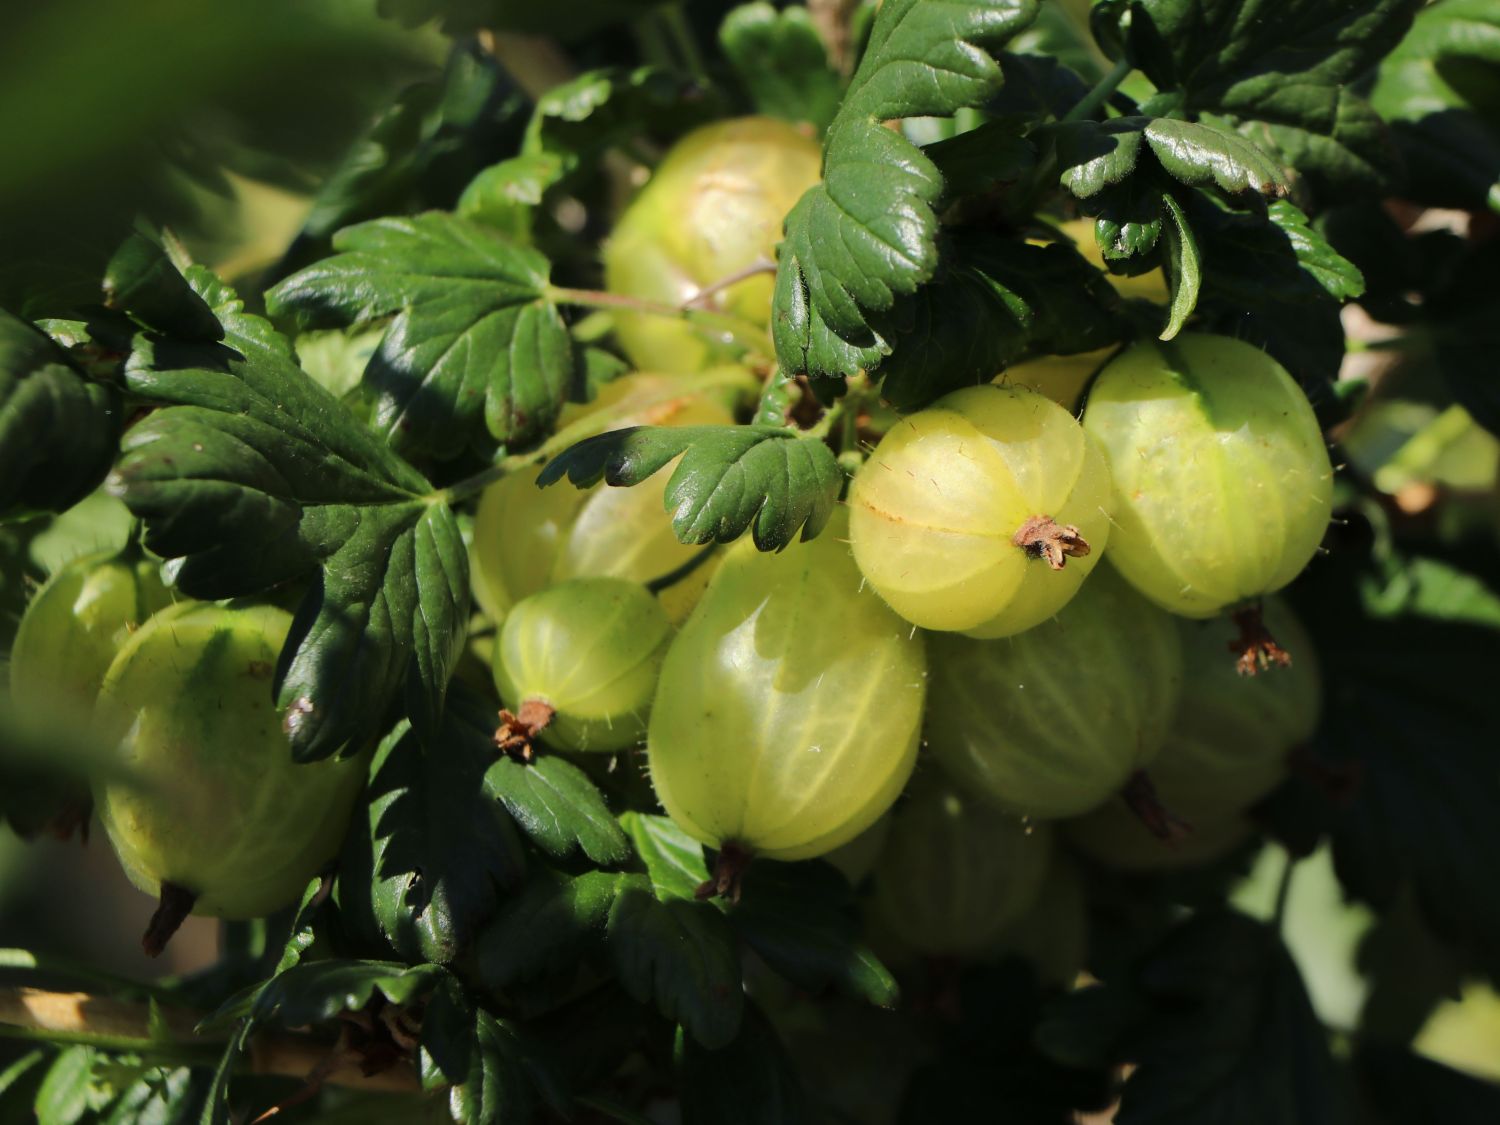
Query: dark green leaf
[1451,138]
[419,152]
[1278,67]
[576,19]
[425,867]
[1037,86]
[1182,267]
[551,926]
[490,1063]
[19,1081]
[476,347]
[867,233]
[556,805]
[765,479]
[315,991]
[141,280]
[1466,332]
[750,1081]
[781,61]
[680,956]
[253,476]
[216,1104]
[995,301]
[1218,1026]
[801,919]
[1098,155]
[981,159]
[987,1058]
[58,429]
[1409,1089]
[572,124]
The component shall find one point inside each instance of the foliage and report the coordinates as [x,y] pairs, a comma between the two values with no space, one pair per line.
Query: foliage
[513,932]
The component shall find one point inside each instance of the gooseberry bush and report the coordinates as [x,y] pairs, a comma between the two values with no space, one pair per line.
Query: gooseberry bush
[906,562]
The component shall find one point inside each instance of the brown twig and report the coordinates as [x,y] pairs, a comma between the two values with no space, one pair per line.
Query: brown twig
[81,1017]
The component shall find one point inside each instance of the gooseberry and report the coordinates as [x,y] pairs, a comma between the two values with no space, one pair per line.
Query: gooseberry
[218,818]
[984,512]
[787,716]
[1050,723]
[1227,749]
[713,209]
[955,872]
[526,538]
[1223,486]
[76,623]
[584,655]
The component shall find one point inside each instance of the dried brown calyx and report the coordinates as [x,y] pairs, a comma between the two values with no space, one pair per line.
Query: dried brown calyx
[1147,805]
[729,870]
[173,906]
[518,729]
[1255,649]
[1043,538]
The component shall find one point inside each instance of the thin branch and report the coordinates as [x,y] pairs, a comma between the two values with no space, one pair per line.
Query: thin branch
[170,1033]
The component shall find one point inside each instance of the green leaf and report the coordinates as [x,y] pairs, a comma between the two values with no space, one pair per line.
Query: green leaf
[573,124]
[490,1064]
[673,859]
[67,1092]
[142,281]
[750,1081]
[477,350]
[315,991]
[216,1109]
[781,61]
[426,865]
[982,159]
[551,926]
[867,234]
[802,921]
[1182,266]
[1448,131]
[668,951]
[252,476]
[418,152]
[1280,68]
[1218,1025]
[995,301]
[58,429]
[765,479]
[556,805]
[1097,155]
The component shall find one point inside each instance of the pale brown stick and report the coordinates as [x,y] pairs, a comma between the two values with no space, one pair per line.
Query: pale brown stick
[83,1017]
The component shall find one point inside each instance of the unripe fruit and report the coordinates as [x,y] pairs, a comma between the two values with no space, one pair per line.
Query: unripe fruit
[1062,378]
[967,512]
[1053,936]
[1051,723]
[526,538]
[222,811]
[1222,481]
[1227,749]
[787,716]
[713,208]
[590,650]
[76,623]
[955,872]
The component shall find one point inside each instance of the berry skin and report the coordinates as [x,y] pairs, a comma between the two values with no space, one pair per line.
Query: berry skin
[1223,486]
[222,811]
[527,538]
[955,872]
[788,711]
[1051,723]
[983,513]
[714,207]
[76,623]
[1227,749]
[590,650]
